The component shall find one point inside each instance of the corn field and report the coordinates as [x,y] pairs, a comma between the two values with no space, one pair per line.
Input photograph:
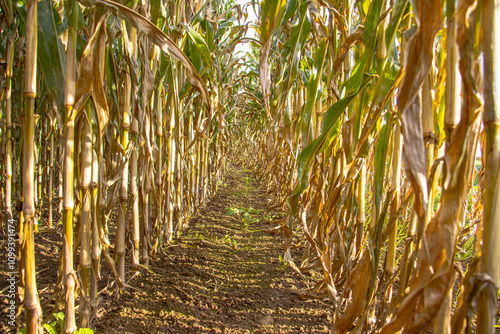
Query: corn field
[375,126]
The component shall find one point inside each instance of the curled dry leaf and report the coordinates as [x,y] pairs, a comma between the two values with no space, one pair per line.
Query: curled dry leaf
[158,37]
[90,76]
[414,153]
[273,12]
[417,63]
[435,273]
[353,39]
[360,280]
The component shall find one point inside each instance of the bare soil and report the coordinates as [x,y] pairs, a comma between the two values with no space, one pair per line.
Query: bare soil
[224,274]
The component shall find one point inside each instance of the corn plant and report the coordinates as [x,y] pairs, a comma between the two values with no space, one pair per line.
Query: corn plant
[364,118]
[348,93]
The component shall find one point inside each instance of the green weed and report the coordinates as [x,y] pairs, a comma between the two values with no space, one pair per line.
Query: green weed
[283,263]
[52,328]
[229,241]
[248,185]
[247,215]
[220,184]
[199,236]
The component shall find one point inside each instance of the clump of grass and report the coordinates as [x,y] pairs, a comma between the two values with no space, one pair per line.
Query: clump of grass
[227,240]
[247,215]
[57,326]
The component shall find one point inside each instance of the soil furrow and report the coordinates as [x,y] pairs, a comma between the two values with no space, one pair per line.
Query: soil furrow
[222,275]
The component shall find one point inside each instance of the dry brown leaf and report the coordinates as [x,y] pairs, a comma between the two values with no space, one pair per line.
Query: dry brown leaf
[436,256]
[417,63]
[414,153]
[361,277]
[264,73]
[351,40]
[90,76]
[159,38]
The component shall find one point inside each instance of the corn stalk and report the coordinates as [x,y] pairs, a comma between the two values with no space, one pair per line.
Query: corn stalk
[68,172]
[27,220]
[491,214]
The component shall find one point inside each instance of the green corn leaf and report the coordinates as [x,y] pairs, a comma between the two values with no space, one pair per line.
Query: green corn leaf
[299,33]
[371,21]
[209,33]
[314,84]
[50,52]
[272,13]
[202,47]
[198,17]
[112,76]
[155,10]
[291,9]
[381,149]
[399,9]
[386,82]
[74,14]
[355,80]
[369,38]
[21,11]
[329,130]
[194,55]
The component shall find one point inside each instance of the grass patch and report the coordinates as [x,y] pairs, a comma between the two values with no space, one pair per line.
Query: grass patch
[248,216]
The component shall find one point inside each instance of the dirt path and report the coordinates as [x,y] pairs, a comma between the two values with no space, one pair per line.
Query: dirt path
[223,275]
